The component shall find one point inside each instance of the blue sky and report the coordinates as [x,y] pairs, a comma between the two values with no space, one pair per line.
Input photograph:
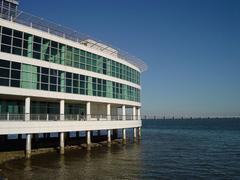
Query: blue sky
[192,47]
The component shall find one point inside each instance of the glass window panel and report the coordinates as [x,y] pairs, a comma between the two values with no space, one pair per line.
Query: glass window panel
[16,65]
[76,51]
[17,42]
[36,47]
[17,51]
[53,72]
[17,34]
[45,70]
[75,83]
[82,77]
[7,31]
[5,48]
[68,75]
[4,72]
[54,44]
[82,91]
[68,82]
[5,64]
[75,76]
[44,79]
[15,83]
[53,87]
[4,82]
[36,55]
[68,89]
[53,80]
[37,39]
[89,54]
[82,59]
[75,90]
[83,53]
[44,86]
[6,40]
[15,74]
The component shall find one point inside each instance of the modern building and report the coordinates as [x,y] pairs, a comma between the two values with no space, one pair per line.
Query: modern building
[54,79]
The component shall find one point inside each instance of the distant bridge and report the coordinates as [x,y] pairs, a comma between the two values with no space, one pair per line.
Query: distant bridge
[160,117]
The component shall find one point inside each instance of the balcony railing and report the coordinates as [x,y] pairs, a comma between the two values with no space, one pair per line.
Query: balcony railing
[66,117]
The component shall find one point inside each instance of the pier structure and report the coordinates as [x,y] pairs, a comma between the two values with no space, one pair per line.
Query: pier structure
[56,80]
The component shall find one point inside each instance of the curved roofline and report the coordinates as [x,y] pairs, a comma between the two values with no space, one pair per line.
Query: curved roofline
[70,34]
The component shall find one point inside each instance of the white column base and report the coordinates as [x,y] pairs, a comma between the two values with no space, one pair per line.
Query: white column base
[88,140]
[135,134]
[28,146]
[109,137]
[124,136]
[62,143]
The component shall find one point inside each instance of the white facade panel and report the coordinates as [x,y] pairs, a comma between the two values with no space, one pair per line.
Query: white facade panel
[30,127]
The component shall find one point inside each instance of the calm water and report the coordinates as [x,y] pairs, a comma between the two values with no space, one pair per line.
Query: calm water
[169,149]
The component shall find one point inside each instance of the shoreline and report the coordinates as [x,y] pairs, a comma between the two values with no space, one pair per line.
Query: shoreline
[20,154]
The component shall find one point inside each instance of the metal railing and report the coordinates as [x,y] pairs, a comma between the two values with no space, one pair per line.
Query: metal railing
[66,117]
[68,33]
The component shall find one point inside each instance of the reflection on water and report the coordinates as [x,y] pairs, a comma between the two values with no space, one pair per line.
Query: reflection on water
[168,149]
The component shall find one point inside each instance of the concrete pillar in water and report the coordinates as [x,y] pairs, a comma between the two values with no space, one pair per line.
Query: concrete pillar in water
[28,145]
[88,140]
[124,136]
[139,133]
[109,137]
[134,134]
[62,118]
[61,142]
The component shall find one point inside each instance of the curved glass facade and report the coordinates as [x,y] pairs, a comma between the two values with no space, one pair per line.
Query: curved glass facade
[20,75]
[25,44]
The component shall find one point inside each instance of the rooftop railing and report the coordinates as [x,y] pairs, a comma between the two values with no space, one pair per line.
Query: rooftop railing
[68,33]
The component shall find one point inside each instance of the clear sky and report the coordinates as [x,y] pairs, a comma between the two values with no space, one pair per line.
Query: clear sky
[191,47]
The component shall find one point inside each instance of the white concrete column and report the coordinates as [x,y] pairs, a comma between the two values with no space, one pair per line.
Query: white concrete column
[135,134]
[108,112]
[62,109]
[139,133]
[124,136]
[109,136]
[61,142]
[134,113]
[88,140]
[27,108]
[139,114]
[28,145]
[88,111]
[123,112]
